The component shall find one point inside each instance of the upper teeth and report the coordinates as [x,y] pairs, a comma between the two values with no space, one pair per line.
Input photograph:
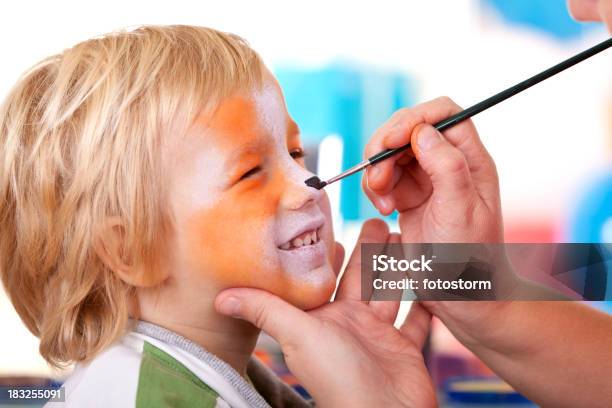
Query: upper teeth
[307,238]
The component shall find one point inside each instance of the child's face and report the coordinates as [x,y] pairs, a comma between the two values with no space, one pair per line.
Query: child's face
[241,208]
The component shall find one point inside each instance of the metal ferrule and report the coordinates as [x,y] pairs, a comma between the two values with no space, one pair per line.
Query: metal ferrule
[346,173]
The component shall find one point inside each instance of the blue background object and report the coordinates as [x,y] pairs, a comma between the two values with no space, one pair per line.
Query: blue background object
[586,224]
[484,398]
[350,102]
[549,16]
[594,208]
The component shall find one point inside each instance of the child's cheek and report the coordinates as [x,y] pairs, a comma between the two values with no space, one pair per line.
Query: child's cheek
[226,244]
[233,243]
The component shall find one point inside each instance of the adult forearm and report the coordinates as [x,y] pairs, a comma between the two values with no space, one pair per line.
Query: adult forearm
[556,353]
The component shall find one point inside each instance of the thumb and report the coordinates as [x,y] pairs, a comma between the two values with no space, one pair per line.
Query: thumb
[282,321]
[444,163]
[338,258]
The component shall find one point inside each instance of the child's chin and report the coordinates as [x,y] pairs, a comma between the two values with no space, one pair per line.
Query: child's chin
[311,294]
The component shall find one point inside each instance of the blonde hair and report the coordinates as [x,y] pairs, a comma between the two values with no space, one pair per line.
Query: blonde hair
[79,142]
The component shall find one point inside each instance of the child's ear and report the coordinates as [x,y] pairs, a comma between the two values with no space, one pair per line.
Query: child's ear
[109,244]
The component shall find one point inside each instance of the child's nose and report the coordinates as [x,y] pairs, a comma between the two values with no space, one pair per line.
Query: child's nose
[298,194]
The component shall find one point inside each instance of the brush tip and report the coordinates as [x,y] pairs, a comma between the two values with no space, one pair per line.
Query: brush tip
[315,182]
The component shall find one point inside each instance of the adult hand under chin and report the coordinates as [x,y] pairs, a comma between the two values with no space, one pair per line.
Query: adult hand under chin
[348,344]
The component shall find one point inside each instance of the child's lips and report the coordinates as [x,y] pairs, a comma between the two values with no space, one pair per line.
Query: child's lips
[306,251]
[310,256]
[306,238]
[307,233]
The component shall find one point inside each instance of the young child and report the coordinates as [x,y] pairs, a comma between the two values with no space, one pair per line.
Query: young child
[141,173]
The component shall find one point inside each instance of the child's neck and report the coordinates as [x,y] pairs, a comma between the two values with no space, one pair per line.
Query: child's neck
[232,340]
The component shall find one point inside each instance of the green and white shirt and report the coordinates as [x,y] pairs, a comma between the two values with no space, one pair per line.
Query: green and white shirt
[154,367]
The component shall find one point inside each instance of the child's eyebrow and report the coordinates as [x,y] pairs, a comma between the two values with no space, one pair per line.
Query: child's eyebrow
[293,129]
[252,147]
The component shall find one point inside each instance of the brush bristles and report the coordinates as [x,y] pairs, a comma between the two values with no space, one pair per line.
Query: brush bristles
[315,182]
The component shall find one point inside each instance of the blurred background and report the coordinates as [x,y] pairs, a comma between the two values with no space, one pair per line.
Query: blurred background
[345,67]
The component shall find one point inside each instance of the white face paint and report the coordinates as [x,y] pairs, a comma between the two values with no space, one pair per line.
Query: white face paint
[242,213]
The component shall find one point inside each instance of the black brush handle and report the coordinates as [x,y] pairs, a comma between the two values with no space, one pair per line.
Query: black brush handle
[502,96]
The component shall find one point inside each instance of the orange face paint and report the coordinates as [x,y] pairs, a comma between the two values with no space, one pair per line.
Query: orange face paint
[238,197]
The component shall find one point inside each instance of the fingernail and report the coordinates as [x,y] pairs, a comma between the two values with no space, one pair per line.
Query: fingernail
[383,204]
[230,306]
[428,138]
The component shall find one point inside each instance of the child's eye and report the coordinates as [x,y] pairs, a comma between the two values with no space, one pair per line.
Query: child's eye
[297,153]
[250,173]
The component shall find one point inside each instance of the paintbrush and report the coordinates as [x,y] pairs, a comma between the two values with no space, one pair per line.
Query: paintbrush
[315,182]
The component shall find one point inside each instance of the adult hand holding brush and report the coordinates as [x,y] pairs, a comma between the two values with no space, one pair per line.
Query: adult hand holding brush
[449,192]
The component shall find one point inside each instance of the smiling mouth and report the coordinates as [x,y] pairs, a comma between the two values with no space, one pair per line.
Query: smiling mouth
[305,239]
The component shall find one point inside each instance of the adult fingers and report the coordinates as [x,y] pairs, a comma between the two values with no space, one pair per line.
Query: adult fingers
[417,324]
[284,322]
[444,163]
[463,135]
[384,203]
[338,258]
[387,310]
[398,132]
[372,231]
[411,189]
